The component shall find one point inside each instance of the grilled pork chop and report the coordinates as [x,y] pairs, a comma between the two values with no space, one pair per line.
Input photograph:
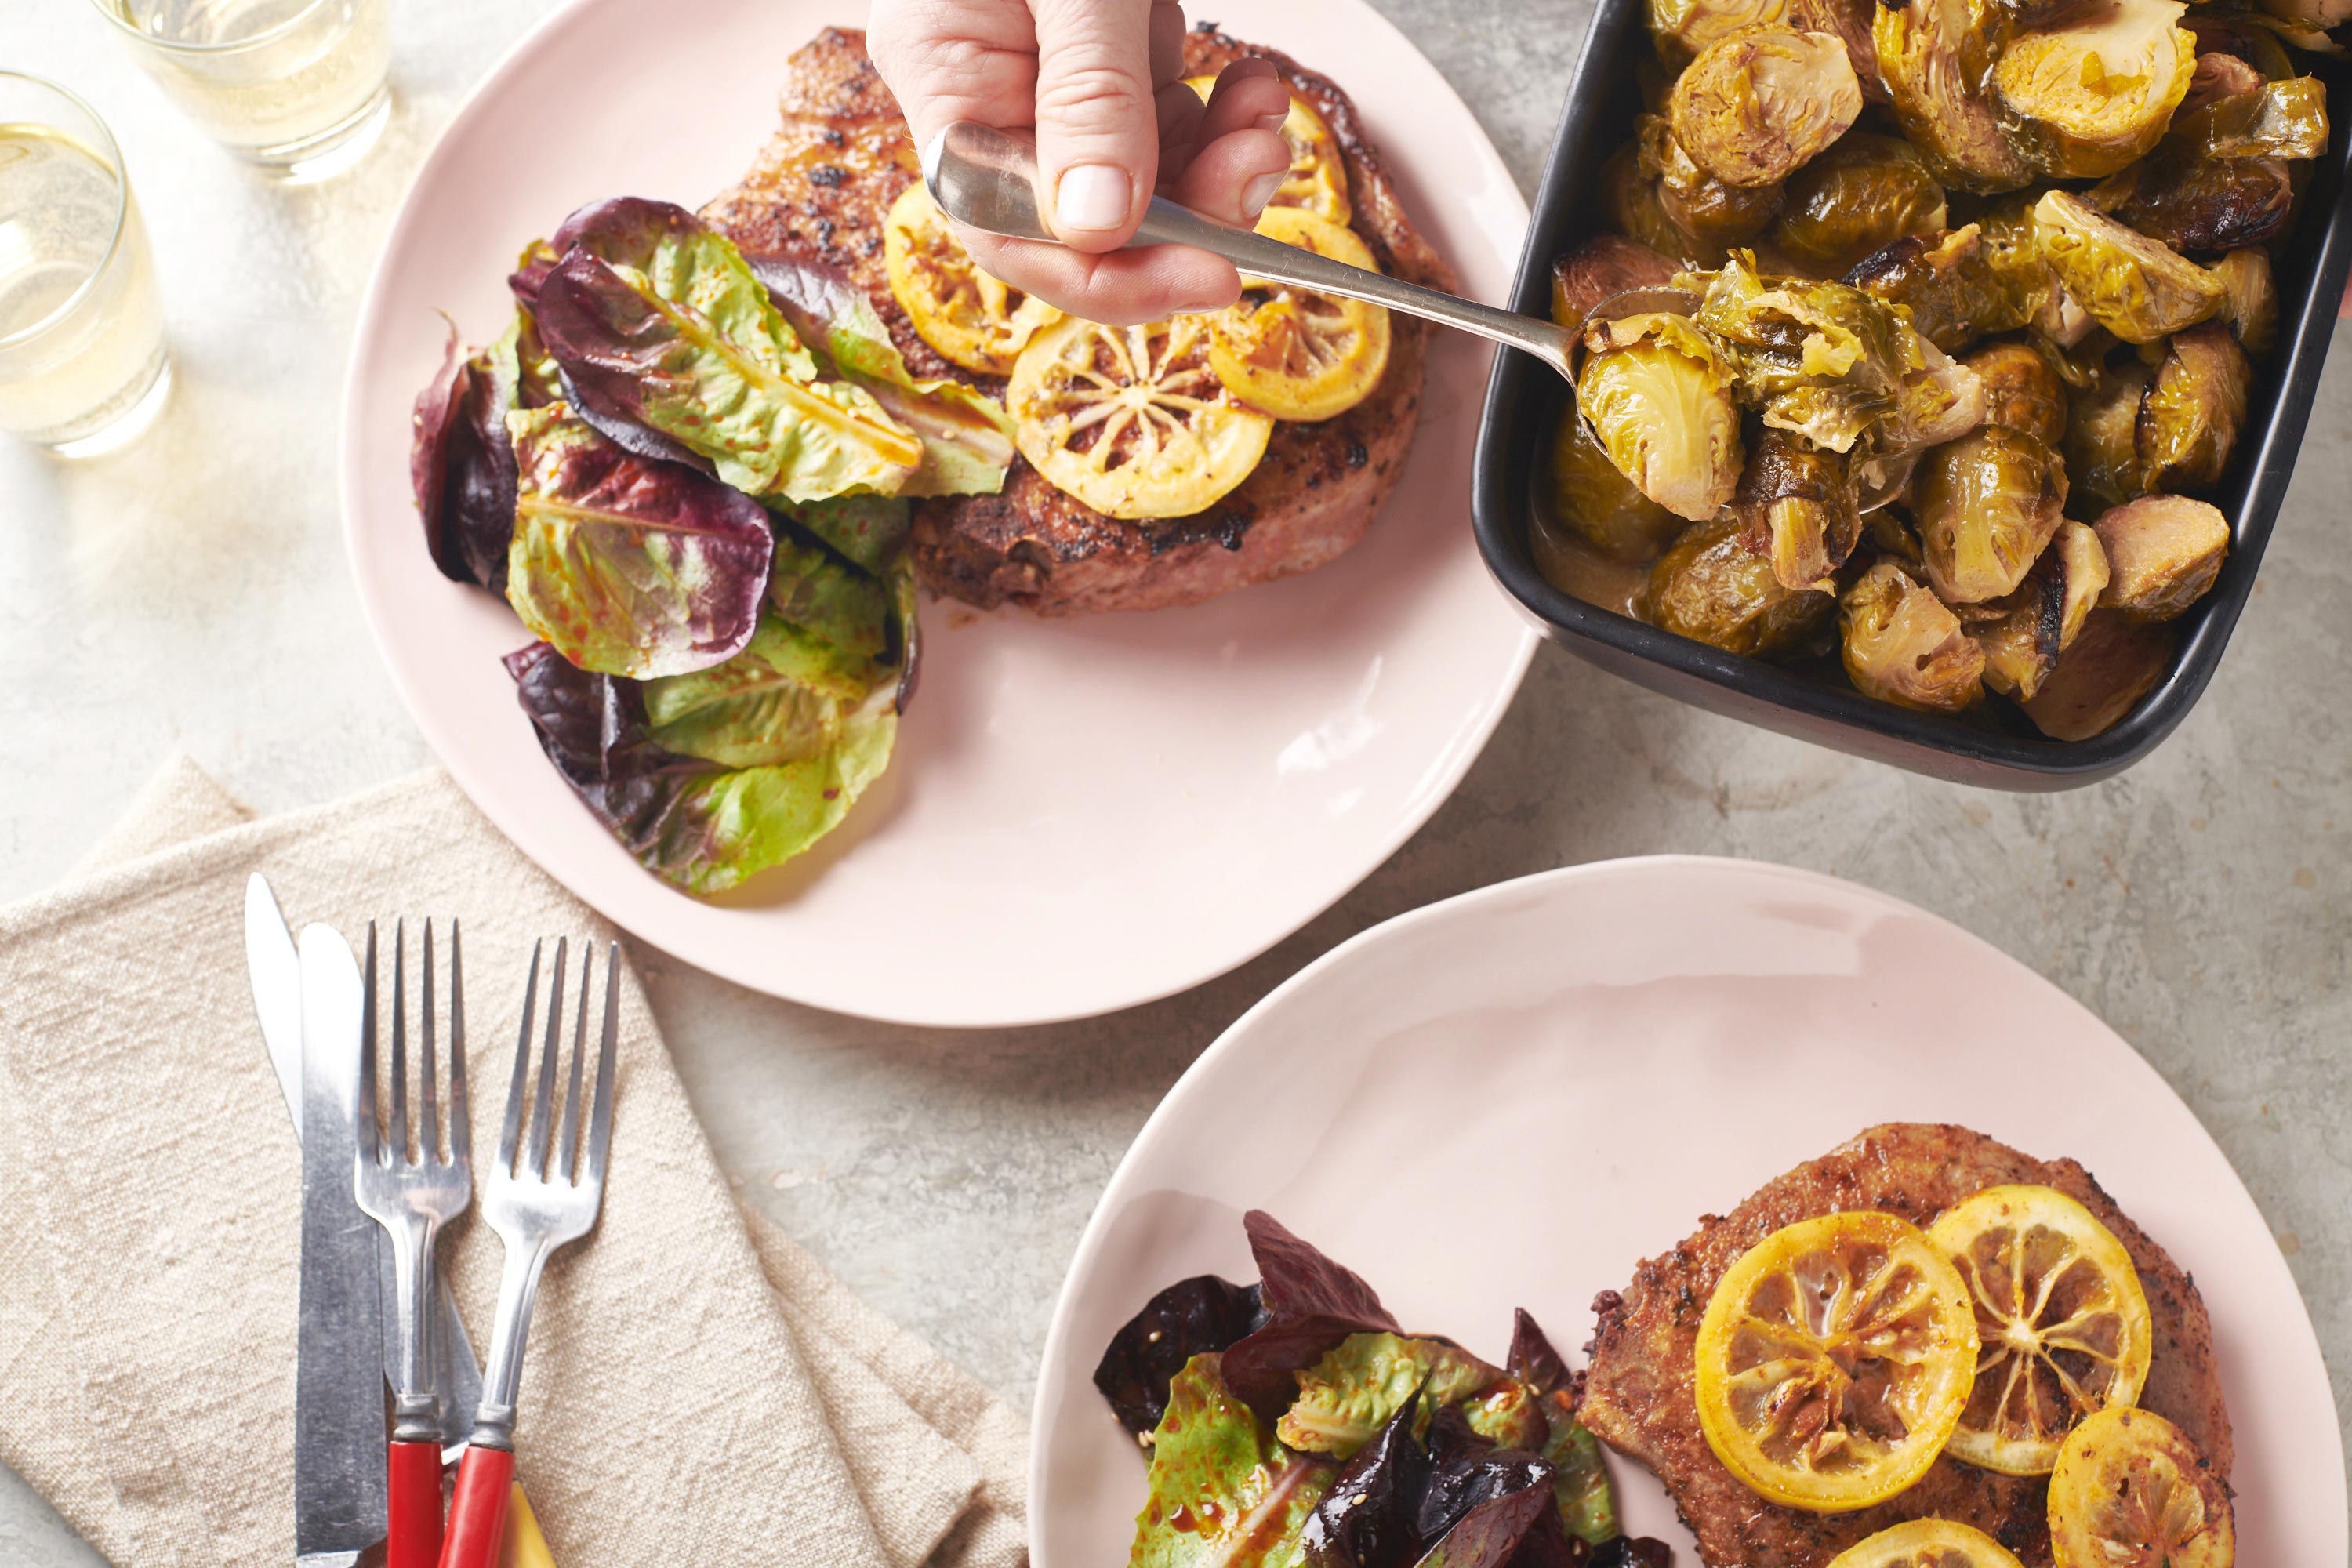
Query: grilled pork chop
[821,188]
[1638,1393]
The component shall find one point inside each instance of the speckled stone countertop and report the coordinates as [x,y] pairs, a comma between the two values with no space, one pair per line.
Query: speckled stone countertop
[192,592]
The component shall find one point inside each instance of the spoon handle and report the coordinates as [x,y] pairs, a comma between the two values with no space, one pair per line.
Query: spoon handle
[988,180]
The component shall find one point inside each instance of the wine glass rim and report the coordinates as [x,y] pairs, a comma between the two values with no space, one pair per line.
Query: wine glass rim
[112,153]
[112,10]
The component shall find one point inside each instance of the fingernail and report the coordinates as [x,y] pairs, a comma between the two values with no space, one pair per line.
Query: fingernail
[1092,196]
[1258,191]
[1276,121]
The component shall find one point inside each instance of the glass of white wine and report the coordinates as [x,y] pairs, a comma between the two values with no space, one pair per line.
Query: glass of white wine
[299,87]
[82,362]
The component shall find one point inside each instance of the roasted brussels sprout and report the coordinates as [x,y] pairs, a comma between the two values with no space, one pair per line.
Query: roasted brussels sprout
[1796,506]
[2201,205]
[1604,264]
[2250,298]
[1822,359]
[1947,284]
[1681,28]
[2267,120]
[2137,287]
[2317,15]
[1866,190]
[1712,588]
[1850,21]
[2102,447]
[2013,248]
[1933,58]
[1985,505]
[1940,401]
[2086,98]
[2022,391]
[1695,201]
[2111,667]
[1631,200]
[1755,107]
[2163,554]
[2237,36]
[2217,77]
[1902,646]
[1658,395]
[2042,618]
[2190,414]
[1600,505]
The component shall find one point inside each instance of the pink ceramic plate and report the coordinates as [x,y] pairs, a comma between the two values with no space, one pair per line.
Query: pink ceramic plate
[1508,1099]
[1082,815]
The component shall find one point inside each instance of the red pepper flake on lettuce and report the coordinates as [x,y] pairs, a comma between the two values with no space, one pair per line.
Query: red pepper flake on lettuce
[655,321]
[625,565]
[1223,1492]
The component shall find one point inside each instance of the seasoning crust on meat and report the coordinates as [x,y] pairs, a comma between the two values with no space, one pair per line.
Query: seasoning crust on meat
[1639,1389]
[820,189]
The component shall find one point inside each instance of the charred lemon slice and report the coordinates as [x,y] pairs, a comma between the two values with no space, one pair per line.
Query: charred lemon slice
[2130,1491]
[1927,1543]
[1317,180]
[1296,354]
[2063,1328]
[1835,1360]
[1131,420]
[967,315]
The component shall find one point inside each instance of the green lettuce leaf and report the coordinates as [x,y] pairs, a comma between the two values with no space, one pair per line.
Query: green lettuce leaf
[656,320]
[1223,1494]
[629,566]
[1581,1481]
[784,699]
[967,435]
[1350,1393]
[1509,1416]
[866,531]
[808,588]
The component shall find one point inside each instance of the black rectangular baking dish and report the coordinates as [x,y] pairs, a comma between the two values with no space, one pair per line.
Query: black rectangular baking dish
[1994,746]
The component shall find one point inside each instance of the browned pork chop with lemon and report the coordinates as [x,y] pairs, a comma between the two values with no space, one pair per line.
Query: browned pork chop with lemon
[1640,1390]
[821,188]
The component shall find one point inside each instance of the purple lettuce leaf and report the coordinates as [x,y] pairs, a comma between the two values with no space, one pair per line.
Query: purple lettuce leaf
[1533,1361]
[461,467]
[538,259]
[1371,1517]
[1482,1501]
[1203,1313]
[628,566]
[1311,1303]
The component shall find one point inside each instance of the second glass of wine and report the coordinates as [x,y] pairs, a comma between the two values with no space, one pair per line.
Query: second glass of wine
[297,87]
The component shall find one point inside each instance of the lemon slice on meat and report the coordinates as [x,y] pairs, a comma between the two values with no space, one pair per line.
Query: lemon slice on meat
[1835,1360]
[1131,420]
[2130,1491]
[967,315]
[1296,354]
[1927,1543]
[1317,180]
[2062,1327]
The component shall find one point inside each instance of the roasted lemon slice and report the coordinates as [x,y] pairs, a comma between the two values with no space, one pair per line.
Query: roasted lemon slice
[2130,1491]
[1296,354]
[1317,180]
[1131,420]
[967,315]
[1835,1360]
[2062,1324]
[1927,1543]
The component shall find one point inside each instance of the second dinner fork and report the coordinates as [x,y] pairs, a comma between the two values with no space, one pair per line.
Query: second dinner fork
[545,1190]
[412,1191]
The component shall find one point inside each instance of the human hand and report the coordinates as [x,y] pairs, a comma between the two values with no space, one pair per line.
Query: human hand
[1101,83]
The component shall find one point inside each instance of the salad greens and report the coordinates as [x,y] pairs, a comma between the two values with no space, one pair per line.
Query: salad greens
[690,477]
[1378,1449]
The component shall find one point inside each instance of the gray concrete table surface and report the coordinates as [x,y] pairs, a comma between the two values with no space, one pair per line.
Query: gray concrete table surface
[192,592]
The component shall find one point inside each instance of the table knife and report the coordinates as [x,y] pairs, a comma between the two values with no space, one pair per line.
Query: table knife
[339,1487]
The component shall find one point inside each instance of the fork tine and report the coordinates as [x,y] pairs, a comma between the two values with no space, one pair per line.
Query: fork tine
[461,1132]
[567,1147]
[542,1108]
[397,1135]
[428,1103]
[600,1123]
[509,1138]
[364,1130]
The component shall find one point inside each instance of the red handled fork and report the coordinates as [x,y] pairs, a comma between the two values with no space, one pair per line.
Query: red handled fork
[536,1205]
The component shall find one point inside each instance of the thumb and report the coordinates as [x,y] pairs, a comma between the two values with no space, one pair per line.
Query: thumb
[1098,131]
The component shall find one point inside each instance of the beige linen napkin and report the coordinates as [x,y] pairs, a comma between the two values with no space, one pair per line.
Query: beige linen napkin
[699,1389]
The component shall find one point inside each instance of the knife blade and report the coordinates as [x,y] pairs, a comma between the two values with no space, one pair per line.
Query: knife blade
[341,1492]
[276,971]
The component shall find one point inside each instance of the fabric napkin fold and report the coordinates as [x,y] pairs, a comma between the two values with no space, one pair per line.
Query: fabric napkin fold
[697,1389]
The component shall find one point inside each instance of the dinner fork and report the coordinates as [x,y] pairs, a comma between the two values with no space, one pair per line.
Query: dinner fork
[412,1195]
[536,1206]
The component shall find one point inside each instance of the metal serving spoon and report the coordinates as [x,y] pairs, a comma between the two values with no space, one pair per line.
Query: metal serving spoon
[988,180]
